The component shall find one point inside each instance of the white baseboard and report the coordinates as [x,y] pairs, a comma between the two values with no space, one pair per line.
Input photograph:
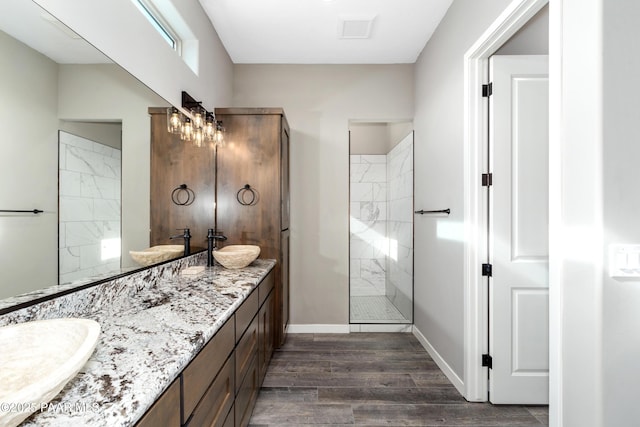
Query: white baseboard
[318,329]
[442,364]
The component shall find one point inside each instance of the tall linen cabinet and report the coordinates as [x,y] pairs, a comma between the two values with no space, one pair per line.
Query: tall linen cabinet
[252,192]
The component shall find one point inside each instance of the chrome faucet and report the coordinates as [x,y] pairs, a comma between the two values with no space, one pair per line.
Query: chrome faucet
[186,235]
[212,236]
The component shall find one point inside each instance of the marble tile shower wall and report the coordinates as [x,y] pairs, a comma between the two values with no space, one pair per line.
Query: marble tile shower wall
[368,241]
[89,225]
[399,277]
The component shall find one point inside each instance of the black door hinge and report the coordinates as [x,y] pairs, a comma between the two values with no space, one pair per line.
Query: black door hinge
[487,270]
[487,179]
[487,90]
[487,361]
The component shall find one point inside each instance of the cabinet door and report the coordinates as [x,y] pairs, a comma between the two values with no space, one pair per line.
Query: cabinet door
[266,336]
[284,176]
[246,351]
[214,407]
[166,410]
[253,160]
[200,373]
[284,299]
[247,394]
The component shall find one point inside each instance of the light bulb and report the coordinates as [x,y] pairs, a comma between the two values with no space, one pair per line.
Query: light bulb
[198,117]
[218,137]
[209,128]
[187,130]
[174,120]
[198,137]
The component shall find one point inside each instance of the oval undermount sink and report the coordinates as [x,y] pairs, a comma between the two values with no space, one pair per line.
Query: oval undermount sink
[37,359]
[236,256]
[156,254]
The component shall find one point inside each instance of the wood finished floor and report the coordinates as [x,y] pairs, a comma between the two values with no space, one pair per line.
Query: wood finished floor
[370,379]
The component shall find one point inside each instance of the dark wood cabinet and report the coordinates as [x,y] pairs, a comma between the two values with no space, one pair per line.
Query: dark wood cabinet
[254,322]
[265,327]
[257,154]
[213,409]
[219,387]
[166,410]
[208,381]
[175,162]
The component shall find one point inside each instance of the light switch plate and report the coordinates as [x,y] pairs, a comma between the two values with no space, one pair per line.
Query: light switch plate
[624,260]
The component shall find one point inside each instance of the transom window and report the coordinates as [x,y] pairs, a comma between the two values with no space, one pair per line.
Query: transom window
[159,23]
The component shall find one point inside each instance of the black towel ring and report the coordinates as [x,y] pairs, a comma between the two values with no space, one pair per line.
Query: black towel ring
[242,197]
[178,194]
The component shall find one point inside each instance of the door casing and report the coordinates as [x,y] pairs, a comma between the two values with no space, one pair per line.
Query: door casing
[476,303]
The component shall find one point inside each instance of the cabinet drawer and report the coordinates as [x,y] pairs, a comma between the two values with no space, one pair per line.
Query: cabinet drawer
[214,407]
[166,410]
[245,313]
[198,375]
[247,395]
[266,286]
[246,349]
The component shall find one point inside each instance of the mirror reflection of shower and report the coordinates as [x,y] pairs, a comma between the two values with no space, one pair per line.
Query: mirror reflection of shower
[381,223]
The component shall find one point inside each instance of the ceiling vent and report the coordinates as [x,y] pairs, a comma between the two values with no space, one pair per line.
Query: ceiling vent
[355,27]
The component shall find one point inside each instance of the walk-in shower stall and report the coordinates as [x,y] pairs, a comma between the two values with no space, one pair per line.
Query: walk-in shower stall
[381,226]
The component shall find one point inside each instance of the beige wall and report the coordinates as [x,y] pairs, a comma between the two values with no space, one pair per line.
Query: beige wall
[368,138]
[117,96]
[398,131]
[29,174]
[319,102]
[377,138]
[531,39]
[105,133]
[120,31]
[438,123]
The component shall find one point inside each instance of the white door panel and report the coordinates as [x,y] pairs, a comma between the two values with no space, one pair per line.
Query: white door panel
[518,315]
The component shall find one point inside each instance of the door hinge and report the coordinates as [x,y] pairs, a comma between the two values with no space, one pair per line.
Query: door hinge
[487,361]
[487,270]
[487,90]
[487,179]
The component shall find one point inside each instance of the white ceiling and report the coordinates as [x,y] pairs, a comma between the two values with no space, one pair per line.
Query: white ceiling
[307,31]
[27,22]
[266,31]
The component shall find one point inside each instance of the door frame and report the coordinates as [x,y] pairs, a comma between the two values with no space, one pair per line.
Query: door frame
[476,303]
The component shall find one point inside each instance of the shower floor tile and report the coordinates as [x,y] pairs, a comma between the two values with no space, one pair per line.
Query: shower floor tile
[374,309]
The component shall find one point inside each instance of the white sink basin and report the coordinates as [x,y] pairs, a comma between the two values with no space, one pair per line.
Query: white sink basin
[156,254]
[37,359]
[236,256]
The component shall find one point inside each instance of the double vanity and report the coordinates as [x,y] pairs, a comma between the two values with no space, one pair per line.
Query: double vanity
[174,349]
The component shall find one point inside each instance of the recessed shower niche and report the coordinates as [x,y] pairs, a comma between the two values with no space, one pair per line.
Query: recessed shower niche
[381,223]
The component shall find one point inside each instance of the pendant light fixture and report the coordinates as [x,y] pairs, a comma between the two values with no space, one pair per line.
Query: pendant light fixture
[198,126]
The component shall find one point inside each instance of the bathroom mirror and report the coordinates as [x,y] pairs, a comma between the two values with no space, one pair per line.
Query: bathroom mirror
[54,83]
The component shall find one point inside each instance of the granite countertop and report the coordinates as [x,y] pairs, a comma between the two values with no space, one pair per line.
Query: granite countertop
[144,346]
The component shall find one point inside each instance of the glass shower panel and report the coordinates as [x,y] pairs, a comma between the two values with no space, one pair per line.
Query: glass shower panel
[381,236]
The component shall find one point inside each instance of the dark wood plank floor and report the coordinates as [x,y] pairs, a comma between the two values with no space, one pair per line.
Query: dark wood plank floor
[370,379]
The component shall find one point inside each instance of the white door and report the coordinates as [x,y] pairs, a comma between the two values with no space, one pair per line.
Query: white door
[518,230]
